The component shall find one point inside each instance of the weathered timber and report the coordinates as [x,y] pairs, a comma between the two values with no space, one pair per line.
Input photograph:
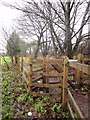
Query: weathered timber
[55,82]
[74,104]
[38,78]
[39,69]
[70,110]
[26,70]
[46,85]
[30,74]
[37,73]
[57,68]
[21,64]
[53,74]
[47,71]
[53,61]
[25,78]
[65,83]
[81,67]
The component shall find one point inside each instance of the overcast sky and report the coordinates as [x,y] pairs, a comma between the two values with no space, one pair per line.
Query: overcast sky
[8,18]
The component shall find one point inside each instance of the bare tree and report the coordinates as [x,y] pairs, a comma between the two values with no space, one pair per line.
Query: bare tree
[62,18]
[37,29]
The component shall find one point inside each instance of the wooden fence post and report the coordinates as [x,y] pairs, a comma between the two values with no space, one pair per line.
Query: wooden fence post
[65,83]
[21,64]
[13,60]
[47,71]
[18,61]
[44,71]
[74,75]
[30,74]
[79,76]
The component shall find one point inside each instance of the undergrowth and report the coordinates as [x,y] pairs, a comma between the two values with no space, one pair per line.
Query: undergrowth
[17,103]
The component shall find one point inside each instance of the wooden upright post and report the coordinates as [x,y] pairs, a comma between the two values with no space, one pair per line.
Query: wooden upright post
[13,60]
[79,76]
[47,71]
[21,64]
[18,61]
[65,83]
[44,71]
[74,75]
[30,74]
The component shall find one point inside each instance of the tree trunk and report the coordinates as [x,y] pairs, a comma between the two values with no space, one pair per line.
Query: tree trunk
[68,34]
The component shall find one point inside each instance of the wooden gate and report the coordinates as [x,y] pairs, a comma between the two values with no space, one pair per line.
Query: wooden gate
[51,77]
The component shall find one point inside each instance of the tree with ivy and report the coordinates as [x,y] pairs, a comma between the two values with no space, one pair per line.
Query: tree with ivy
[13,45]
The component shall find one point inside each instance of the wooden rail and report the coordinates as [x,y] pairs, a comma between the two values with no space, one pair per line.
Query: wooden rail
[71,102]
[81,67]
[79,70]
[47,85]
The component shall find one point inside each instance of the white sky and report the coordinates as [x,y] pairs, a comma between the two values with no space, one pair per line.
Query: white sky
[8,18]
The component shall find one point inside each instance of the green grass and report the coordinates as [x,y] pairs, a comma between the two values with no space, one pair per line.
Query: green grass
[7,58]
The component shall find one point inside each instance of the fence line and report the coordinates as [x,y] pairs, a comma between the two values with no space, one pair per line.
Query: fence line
[67,98]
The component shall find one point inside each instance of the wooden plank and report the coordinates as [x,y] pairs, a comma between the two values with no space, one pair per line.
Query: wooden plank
[44,71]
[36,70]
[53,61]
[38,78]
[81,67]
[38,61]
[25,70]
[78,75]
[47,71]
[74,104]
[24,77]
[57,68]
[26,74]
[53,74]
[37,74]
[47,85]
[86,59]
[70,110]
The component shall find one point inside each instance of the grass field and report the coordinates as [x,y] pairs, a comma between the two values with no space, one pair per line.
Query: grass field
[2,62]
